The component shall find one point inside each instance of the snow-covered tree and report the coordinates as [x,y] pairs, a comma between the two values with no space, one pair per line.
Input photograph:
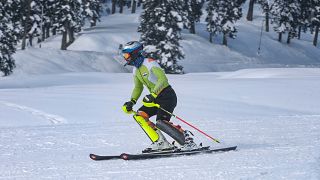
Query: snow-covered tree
[92,10]
[50,18]
[31,18]
[35,20]
[286,17]
[193,9]
[222,16]
[160,29]
[68,20]
[9,33]
[305,16]
[213,18]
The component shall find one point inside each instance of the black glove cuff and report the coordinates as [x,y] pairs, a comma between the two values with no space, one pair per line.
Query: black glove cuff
[134,101]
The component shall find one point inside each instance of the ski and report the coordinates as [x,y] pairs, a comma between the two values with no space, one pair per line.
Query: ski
[126,156]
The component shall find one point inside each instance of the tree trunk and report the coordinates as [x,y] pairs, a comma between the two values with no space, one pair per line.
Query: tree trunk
[128,4]
[267,20]
[30,40]
[54,31]
[121,3]
[210,38]
[71,35]
[289,37]
[192,28]
[315,40]
[93,22]
[134,6]
[299,32]
[23,44]
[26,26]
[47,31]
[280,37]
[225,39]
[64,43]
[64,40]
[250,10]
[43,34]
[114,3]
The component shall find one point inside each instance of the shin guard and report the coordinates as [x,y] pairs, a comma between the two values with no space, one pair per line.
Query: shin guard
[147,128]
[171,130]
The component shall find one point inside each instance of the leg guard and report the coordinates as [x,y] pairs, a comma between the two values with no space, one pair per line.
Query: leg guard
[171,130]
[147,127]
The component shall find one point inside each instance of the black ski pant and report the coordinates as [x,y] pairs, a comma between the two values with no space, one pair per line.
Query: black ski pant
[167,99]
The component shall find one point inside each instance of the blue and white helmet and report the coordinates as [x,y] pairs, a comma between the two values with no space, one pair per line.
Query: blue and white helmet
[132,52]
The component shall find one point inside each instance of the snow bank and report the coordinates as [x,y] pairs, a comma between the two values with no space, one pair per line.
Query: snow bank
[51,61]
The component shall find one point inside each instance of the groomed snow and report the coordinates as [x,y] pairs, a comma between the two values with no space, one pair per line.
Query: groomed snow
[50,125]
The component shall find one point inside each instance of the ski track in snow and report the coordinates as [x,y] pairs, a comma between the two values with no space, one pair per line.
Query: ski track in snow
[53,119]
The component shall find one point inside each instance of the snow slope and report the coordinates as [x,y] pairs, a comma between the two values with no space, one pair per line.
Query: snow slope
[49,125]
[102,43]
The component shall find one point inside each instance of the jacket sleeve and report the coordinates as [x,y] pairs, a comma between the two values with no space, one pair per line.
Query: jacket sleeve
[137,90]
[162,80]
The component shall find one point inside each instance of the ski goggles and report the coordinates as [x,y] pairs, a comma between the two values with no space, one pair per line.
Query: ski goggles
[126,56]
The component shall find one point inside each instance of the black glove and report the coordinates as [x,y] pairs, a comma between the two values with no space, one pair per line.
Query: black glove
[127,107]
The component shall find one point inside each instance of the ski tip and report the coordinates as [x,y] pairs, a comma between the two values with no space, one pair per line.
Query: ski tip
[93,157]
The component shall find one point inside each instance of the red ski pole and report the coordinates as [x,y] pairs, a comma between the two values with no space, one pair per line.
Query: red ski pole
[215,140]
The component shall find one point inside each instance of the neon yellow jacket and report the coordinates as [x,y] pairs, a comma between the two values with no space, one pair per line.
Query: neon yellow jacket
[151,75]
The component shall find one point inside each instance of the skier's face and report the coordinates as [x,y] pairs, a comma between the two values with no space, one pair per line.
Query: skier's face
[126,56]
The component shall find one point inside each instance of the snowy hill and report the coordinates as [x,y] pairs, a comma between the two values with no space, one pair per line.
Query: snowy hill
[200,54]
[59,106]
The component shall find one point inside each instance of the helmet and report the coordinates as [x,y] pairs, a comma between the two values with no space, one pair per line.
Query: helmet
[132,53]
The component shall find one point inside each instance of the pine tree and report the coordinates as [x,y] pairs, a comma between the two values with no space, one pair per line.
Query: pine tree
[222,16]
[31,14]
[9,33]
[286,17]
[305,16]
[68,20]
[213,18]
[35,20]
[160,29]
[193,13]
[49,20]
[91,9]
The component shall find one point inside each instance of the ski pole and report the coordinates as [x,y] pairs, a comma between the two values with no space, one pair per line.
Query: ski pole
[215,140]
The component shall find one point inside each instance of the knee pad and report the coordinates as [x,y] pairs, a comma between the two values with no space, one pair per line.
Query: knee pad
[143,114]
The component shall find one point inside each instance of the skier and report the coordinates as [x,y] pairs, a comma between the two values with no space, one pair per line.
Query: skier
[147,72]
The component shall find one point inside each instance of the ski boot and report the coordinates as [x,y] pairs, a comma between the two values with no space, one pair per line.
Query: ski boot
[160,145]
[189,144]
